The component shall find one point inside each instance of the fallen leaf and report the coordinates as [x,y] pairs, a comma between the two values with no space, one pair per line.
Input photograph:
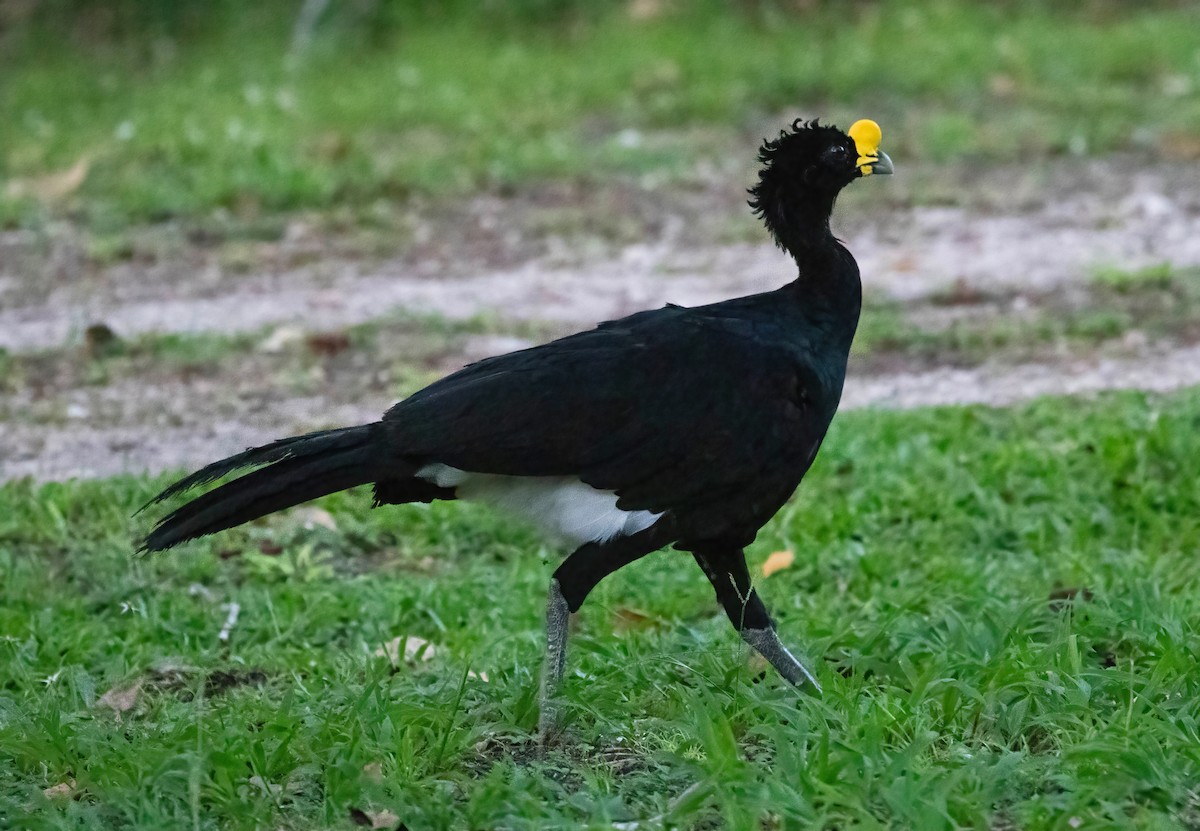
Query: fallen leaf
[625,619]
[642,10]
[1003,86]
[122,699]
[279,340]
[332,146]
[373,771]
[328,343]
[384,819]
[961,293]
[414,647]
[1180,147]
[51,187]
[63,790]
[312,517]
[778,561]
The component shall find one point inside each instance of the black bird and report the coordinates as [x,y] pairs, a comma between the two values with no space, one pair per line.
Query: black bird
[683,426]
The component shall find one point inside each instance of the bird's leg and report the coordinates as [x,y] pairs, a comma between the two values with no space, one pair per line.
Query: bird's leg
[731,579]
[558,619]
[571,583]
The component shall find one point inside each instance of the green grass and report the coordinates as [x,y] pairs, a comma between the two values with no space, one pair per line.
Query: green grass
[1123,281]
[443,104]
[928,547]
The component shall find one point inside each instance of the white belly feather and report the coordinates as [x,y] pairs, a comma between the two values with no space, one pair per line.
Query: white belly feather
[560,505]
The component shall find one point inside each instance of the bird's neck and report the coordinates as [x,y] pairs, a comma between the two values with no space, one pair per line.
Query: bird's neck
[799,222]
[800,225]
[827,287]
[828,292]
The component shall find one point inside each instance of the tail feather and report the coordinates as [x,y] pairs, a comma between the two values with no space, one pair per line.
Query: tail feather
[298,470]
[319,441]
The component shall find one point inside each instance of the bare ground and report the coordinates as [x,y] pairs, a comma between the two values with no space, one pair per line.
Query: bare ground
[566,255]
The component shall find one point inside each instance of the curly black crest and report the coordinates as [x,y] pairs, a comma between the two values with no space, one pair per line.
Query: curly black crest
[770,152]
[770,149]
[796,184]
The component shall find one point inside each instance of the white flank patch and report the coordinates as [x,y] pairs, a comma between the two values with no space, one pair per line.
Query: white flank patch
[560,505]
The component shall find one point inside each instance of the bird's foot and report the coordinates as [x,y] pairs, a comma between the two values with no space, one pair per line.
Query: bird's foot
[550,725]
[767,644]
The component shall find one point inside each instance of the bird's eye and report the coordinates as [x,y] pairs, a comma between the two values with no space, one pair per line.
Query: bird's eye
[836,155]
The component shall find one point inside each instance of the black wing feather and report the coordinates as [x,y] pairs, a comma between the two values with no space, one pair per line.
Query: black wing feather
[673,409]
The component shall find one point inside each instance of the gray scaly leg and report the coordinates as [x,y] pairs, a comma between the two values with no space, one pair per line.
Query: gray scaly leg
[558,617]
[574,579]
[766,643]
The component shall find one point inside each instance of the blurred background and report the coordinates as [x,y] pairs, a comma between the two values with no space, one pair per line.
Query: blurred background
[223,222]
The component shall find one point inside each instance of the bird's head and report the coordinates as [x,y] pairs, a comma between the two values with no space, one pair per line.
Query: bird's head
[804,170]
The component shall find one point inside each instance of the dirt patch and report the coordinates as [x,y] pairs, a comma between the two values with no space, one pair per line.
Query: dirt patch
[1156,371]
[533,257]
[565,257]
[177,426]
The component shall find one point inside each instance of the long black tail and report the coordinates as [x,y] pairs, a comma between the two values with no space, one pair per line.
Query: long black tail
[298,469]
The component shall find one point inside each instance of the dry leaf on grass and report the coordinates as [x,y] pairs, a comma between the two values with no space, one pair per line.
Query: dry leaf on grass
[63,790]
[1178,146]
[778,562]
[328,344]
[645,10]
[414,648]
[51,187]
[122,699]
[384,819]
[312,517]
[281,339]
[626,619]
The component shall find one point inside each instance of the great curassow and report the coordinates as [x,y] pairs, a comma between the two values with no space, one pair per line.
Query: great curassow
[683,426]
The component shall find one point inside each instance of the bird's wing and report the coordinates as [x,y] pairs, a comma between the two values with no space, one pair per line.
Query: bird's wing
[658,407]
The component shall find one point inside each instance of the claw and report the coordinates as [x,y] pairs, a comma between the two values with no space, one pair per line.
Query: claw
[767,644]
